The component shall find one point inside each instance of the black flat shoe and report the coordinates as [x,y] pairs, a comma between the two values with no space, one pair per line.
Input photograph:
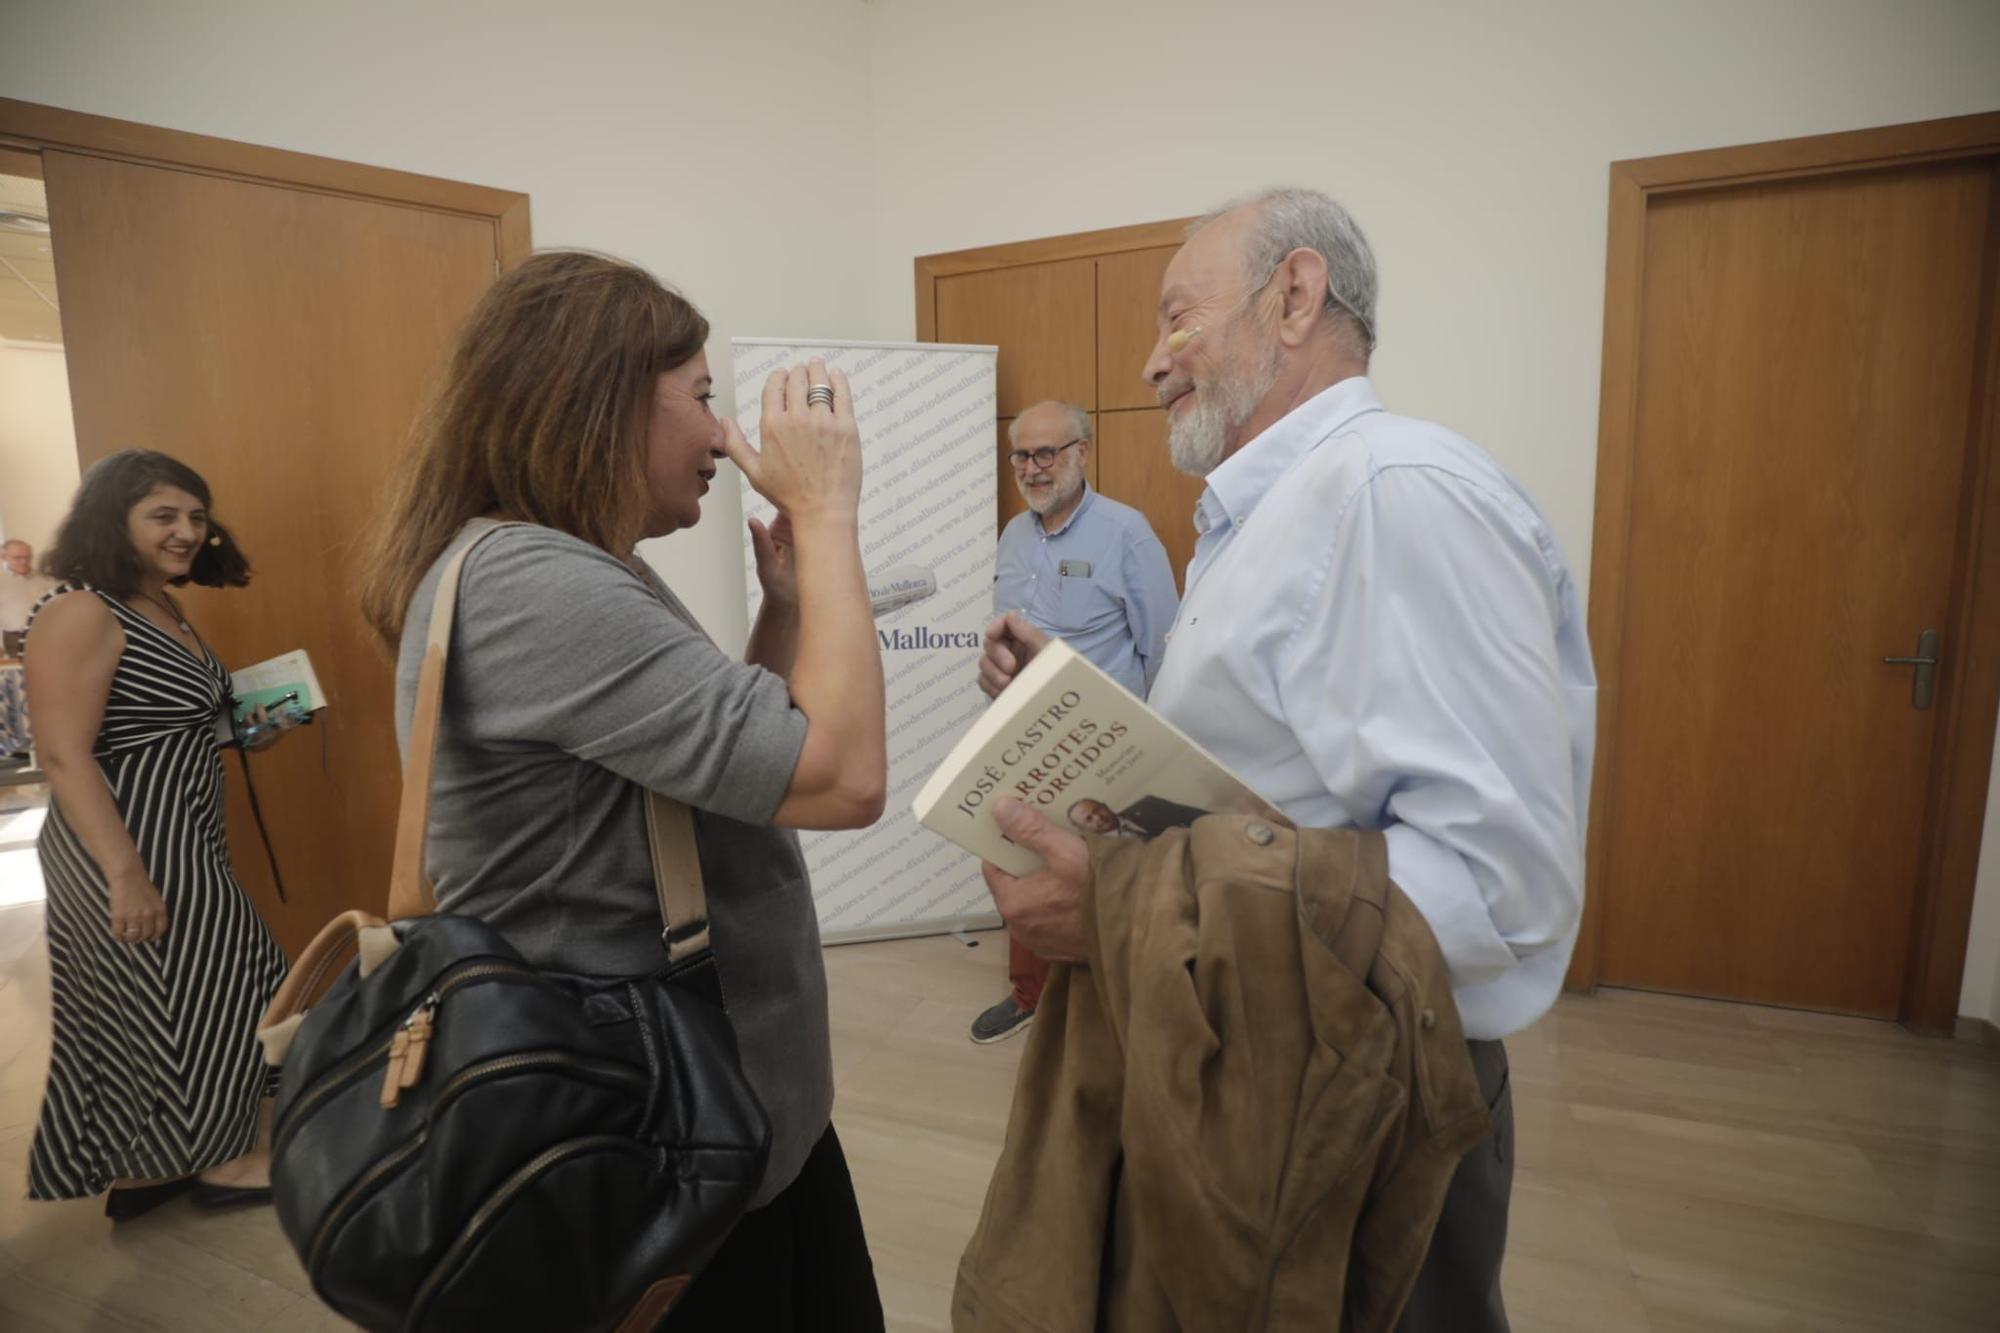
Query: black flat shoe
[229,1196]
[130,1201]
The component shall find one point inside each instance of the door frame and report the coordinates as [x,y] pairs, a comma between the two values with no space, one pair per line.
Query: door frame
[1048,249]
[33,128]
[1970,673]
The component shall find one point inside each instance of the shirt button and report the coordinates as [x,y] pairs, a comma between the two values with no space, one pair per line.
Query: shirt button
[1429,1020]
[1260,834]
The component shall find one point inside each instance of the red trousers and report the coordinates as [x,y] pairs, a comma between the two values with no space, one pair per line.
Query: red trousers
[1027,972]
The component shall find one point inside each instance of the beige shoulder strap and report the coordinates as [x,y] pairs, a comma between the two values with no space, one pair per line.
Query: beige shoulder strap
[677,876]
[669,824]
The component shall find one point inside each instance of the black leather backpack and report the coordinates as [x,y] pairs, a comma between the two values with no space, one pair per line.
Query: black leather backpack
[463,1141]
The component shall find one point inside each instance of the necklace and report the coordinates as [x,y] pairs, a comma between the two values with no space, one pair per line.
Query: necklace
[168,607]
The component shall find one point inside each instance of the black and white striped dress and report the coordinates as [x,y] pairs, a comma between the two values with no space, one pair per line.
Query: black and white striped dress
[155,1070]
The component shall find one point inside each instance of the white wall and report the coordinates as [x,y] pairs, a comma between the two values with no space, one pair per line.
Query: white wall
[724,146]
[1470,139]
[784,160]
[37,444]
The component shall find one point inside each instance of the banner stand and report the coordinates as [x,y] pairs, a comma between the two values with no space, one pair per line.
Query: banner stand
[928,499]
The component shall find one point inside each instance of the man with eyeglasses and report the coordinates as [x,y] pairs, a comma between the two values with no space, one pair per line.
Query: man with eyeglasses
[1084,568]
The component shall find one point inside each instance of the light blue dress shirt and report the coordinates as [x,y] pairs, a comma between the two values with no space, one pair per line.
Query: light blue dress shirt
[1379,632]
[1101,582]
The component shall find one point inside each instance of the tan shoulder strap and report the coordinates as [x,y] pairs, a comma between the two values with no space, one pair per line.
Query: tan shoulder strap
[669,824]
[677,876]
[409,887]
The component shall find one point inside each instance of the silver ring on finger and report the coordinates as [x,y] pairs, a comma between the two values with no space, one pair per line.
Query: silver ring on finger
[820,395]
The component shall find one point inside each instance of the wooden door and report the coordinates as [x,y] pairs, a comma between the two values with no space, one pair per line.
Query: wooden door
[1073,318]
[1132,459]
[1133,430]
[277,339]
[1040,316]
[1128,302]
[1807,372]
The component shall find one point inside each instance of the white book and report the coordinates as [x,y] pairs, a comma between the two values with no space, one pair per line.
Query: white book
[268,685]
[1067,740]
[283,683]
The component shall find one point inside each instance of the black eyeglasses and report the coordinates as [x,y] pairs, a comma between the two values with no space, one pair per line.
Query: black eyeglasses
[1043,457]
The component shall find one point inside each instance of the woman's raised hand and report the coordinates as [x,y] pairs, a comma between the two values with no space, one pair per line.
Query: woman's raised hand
[808,459]
[777,570]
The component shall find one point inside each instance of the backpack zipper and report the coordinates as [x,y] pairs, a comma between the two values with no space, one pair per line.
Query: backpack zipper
[330,1083]
[482,1219]
[358,1193]
[406,1052]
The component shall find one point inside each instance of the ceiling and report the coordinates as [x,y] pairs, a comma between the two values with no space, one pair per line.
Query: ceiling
[27,269]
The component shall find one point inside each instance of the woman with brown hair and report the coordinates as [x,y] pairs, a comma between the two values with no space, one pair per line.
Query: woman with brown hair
[158,963]
[577,403]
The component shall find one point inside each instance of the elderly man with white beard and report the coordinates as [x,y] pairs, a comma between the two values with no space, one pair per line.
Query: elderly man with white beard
[1378,632]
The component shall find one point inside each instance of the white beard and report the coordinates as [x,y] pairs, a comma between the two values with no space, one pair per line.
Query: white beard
[1197,437]
[1056,496]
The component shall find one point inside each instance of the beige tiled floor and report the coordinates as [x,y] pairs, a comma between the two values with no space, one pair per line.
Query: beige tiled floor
[1684,1166]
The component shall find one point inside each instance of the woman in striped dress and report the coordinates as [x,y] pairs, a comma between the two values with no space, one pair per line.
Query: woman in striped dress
[159,964]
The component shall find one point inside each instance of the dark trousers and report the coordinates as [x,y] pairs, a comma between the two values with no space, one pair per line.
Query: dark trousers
[1458,1288]
[797,1265]
[1027,971]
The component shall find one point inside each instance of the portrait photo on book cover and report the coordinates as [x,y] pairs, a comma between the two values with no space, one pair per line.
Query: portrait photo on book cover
[1147,817]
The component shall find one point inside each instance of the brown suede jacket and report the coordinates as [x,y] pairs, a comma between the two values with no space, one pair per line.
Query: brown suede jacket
[1244,1113]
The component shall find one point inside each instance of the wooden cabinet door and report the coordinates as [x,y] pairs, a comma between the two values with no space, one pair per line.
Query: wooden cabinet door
[1079,330]
[1806,375]
[1042,317]
[1128,299]
[1133,466]
[277,340]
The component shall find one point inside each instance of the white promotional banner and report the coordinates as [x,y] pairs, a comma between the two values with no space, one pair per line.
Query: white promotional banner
[926,414]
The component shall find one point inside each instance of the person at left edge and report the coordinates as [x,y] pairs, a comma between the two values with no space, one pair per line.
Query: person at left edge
[21,587]
[158,963]
[1082,567]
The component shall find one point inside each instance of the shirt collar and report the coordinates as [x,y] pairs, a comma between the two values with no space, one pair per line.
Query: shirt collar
[1242,480]
[1074,514]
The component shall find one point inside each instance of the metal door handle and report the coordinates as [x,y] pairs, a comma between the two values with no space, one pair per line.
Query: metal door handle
[1923,684]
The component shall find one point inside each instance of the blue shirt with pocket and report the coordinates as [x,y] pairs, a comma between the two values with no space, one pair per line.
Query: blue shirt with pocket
[1100,582]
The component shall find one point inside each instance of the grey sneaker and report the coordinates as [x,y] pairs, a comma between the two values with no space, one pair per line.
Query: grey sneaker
[1000,1022]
